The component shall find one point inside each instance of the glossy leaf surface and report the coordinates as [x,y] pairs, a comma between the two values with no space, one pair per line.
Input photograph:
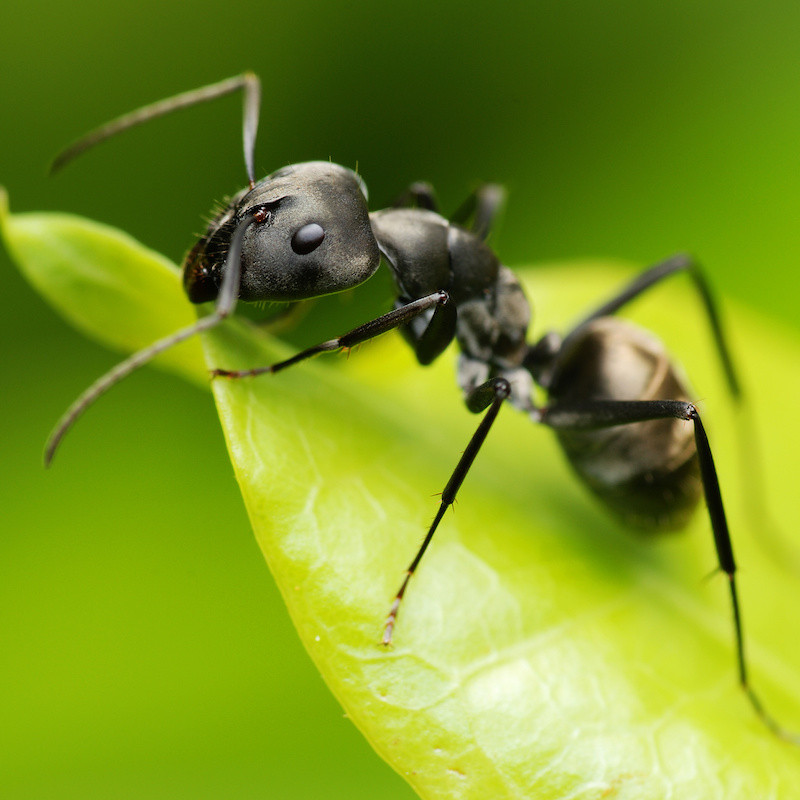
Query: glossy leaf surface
[542,650]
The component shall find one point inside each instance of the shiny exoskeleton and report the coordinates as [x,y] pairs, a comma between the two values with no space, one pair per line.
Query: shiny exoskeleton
[615,400]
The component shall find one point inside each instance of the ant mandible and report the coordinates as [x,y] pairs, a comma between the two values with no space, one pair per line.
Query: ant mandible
[615,400]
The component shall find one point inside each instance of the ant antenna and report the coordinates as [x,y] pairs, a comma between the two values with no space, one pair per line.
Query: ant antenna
[248,81]
[226,302]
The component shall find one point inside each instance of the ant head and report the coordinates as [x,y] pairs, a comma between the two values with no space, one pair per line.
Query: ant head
[312,236]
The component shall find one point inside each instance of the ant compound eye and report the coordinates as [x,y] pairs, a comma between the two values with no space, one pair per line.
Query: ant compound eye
[307,238]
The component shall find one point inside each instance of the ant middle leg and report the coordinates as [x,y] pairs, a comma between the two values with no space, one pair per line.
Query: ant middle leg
[489,395]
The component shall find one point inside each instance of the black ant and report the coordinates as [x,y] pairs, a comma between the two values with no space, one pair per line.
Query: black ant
[616,402]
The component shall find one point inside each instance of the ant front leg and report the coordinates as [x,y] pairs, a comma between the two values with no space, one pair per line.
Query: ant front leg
[489,395]
[418,195]
[479,212]
[400,316]
[598,414]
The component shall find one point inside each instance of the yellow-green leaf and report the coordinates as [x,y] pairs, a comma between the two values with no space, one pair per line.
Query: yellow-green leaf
[108,285]
[541,651]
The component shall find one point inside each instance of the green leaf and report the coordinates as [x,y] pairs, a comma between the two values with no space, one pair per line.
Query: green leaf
[541,650]
[109,286]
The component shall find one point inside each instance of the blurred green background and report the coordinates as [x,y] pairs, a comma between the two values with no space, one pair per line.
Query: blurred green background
[145,652]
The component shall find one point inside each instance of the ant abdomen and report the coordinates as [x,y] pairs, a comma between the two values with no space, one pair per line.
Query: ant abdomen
[646,473]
